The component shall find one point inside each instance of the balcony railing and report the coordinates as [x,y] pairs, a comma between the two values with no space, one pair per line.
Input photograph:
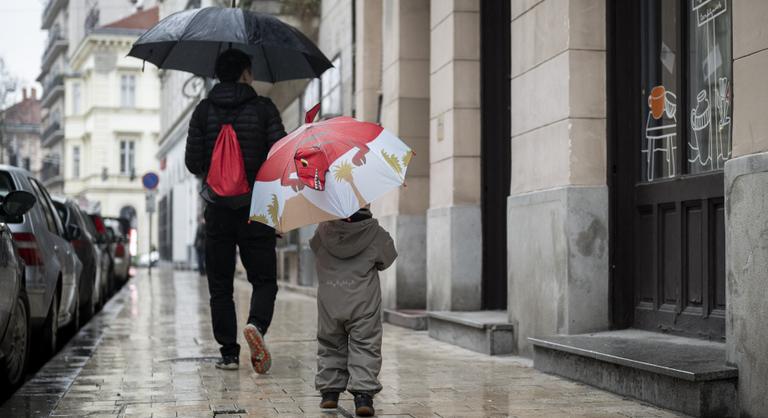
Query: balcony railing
[49,171]
[52,89]
[52,134]
[52,8]
[56,46]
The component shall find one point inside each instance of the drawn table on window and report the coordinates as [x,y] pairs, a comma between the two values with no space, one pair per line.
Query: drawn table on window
[661,132]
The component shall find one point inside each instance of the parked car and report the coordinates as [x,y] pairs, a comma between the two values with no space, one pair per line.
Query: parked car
[52,269]
[120,228]
[88,252]
[14,306]
[104,241]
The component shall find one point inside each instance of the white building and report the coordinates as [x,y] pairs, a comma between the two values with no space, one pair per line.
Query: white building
[67,23]
[112,122]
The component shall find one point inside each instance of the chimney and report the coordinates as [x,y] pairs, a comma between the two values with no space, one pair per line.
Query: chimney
[24,93]
[34,93]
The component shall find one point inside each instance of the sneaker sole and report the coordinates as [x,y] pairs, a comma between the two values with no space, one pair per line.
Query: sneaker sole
[228,367]
[329,405]
[364,411]
[260,357]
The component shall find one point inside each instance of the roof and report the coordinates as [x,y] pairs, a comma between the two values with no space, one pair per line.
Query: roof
[24,112]
[143,19]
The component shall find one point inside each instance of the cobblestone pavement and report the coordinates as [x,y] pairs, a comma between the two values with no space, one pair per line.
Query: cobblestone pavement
[151,353]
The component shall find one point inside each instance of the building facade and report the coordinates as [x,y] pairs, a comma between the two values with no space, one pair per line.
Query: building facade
[586,172]
[67,23]
[112,123]
[20,133]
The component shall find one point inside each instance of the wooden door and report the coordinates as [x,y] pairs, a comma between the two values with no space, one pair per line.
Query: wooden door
[671,136]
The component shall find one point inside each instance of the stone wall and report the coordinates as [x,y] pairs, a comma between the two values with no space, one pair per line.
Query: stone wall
[454,241]
[558,208]
[746,198]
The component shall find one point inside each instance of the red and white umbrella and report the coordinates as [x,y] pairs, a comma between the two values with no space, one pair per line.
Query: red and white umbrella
[327,170]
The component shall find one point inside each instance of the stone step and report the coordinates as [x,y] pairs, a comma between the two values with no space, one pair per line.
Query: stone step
[682,374]
[487,332]
[407,318]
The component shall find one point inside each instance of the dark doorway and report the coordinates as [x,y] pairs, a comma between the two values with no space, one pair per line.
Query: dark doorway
[669,69]
[495,147]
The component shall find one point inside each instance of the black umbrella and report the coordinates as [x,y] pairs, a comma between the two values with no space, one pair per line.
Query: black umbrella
[191,40]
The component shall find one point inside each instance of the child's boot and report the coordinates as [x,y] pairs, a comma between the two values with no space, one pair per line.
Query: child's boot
[330,400]
[364,405]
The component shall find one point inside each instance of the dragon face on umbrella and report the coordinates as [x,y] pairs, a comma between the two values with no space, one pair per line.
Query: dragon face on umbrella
[315,147]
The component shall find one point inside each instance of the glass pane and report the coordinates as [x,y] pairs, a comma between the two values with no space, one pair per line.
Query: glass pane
[659,145]
[709,85]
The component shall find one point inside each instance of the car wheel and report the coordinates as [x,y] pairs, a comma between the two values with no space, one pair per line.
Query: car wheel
[50,329]
[18,351]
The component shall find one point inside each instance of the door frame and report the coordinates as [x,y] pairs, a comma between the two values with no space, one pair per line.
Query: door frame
[495,148]
[622,69]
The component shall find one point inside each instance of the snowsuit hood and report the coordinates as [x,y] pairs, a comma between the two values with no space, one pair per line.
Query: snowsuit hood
[347,239]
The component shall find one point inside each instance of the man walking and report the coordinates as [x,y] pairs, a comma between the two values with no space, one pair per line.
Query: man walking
[257,126]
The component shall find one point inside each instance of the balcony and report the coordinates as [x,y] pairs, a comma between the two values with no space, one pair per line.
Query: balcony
[52,90]
[56,45]
[52,134]
[52,9]
[50,172]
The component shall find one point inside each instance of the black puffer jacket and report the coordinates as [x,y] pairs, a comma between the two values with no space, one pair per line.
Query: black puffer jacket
[256,122]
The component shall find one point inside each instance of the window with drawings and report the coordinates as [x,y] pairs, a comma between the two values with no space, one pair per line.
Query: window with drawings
[686,75]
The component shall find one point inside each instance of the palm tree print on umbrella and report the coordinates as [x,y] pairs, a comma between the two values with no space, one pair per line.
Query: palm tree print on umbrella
[274,213]
[344,172]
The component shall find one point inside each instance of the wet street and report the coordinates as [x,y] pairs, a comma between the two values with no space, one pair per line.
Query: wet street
[151,353]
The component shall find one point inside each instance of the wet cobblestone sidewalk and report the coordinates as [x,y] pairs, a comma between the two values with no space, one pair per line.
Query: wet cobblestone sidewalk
[151,353]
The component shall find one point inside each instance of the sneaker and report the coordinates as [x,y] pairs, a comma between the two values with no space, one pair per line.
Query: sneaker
[261,360]
[330,400]
[228,363]
[364,405]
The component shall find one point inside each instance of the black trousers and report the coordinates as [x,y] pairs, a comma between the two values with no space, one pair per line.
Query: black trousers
[226,228]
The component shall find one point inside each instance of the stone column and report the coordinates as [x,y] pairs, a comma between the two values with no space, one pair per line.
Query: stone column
[746,210]
[558,207]
[405,112]
[367,59]
[454,245]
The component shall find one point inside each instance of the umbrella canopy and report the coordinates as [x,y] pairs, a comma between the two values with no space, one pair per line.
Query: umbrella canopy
[327,170]
[191,40]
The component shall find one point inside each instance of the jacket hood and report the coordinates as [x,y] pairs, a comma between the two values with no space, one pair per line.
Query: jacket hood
[347,239]
[228,94]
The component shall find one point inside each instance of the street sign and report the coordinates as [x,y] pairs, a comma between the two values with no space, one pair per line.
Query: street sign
[150,181]
[150,203]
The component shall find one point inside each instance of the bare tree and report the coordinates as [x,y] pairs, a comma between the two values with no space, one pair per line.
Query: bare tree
[8,84]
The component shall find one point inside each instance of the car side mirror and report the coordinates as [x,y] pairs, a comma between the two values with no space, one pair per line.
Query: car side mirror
[17,203]
[73,232]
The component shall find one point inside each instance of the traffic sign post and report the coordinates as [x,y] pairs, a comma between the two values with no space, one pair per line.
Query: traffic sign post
[150,182]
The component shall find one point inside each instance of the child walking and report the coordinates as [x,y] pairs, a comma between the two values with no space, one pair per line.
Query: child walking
[349,255]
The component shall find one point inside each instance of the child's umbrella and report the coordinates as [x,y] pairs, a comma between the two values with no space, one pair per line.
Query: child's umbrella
[327,170]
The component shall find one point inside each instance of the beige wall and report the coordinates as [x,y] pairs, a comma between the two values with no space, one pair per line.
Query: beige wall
[368,59]
[558,94]
[405,101]
[455,103]
[750,55]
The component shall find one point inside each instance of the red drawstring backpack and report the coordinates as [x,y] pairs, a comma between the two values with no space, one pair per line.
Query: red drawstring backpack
[226,174]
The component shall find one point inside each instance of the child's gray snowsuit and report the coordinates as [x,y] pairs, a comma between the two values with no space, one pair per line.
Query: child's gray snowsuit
[349,256]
